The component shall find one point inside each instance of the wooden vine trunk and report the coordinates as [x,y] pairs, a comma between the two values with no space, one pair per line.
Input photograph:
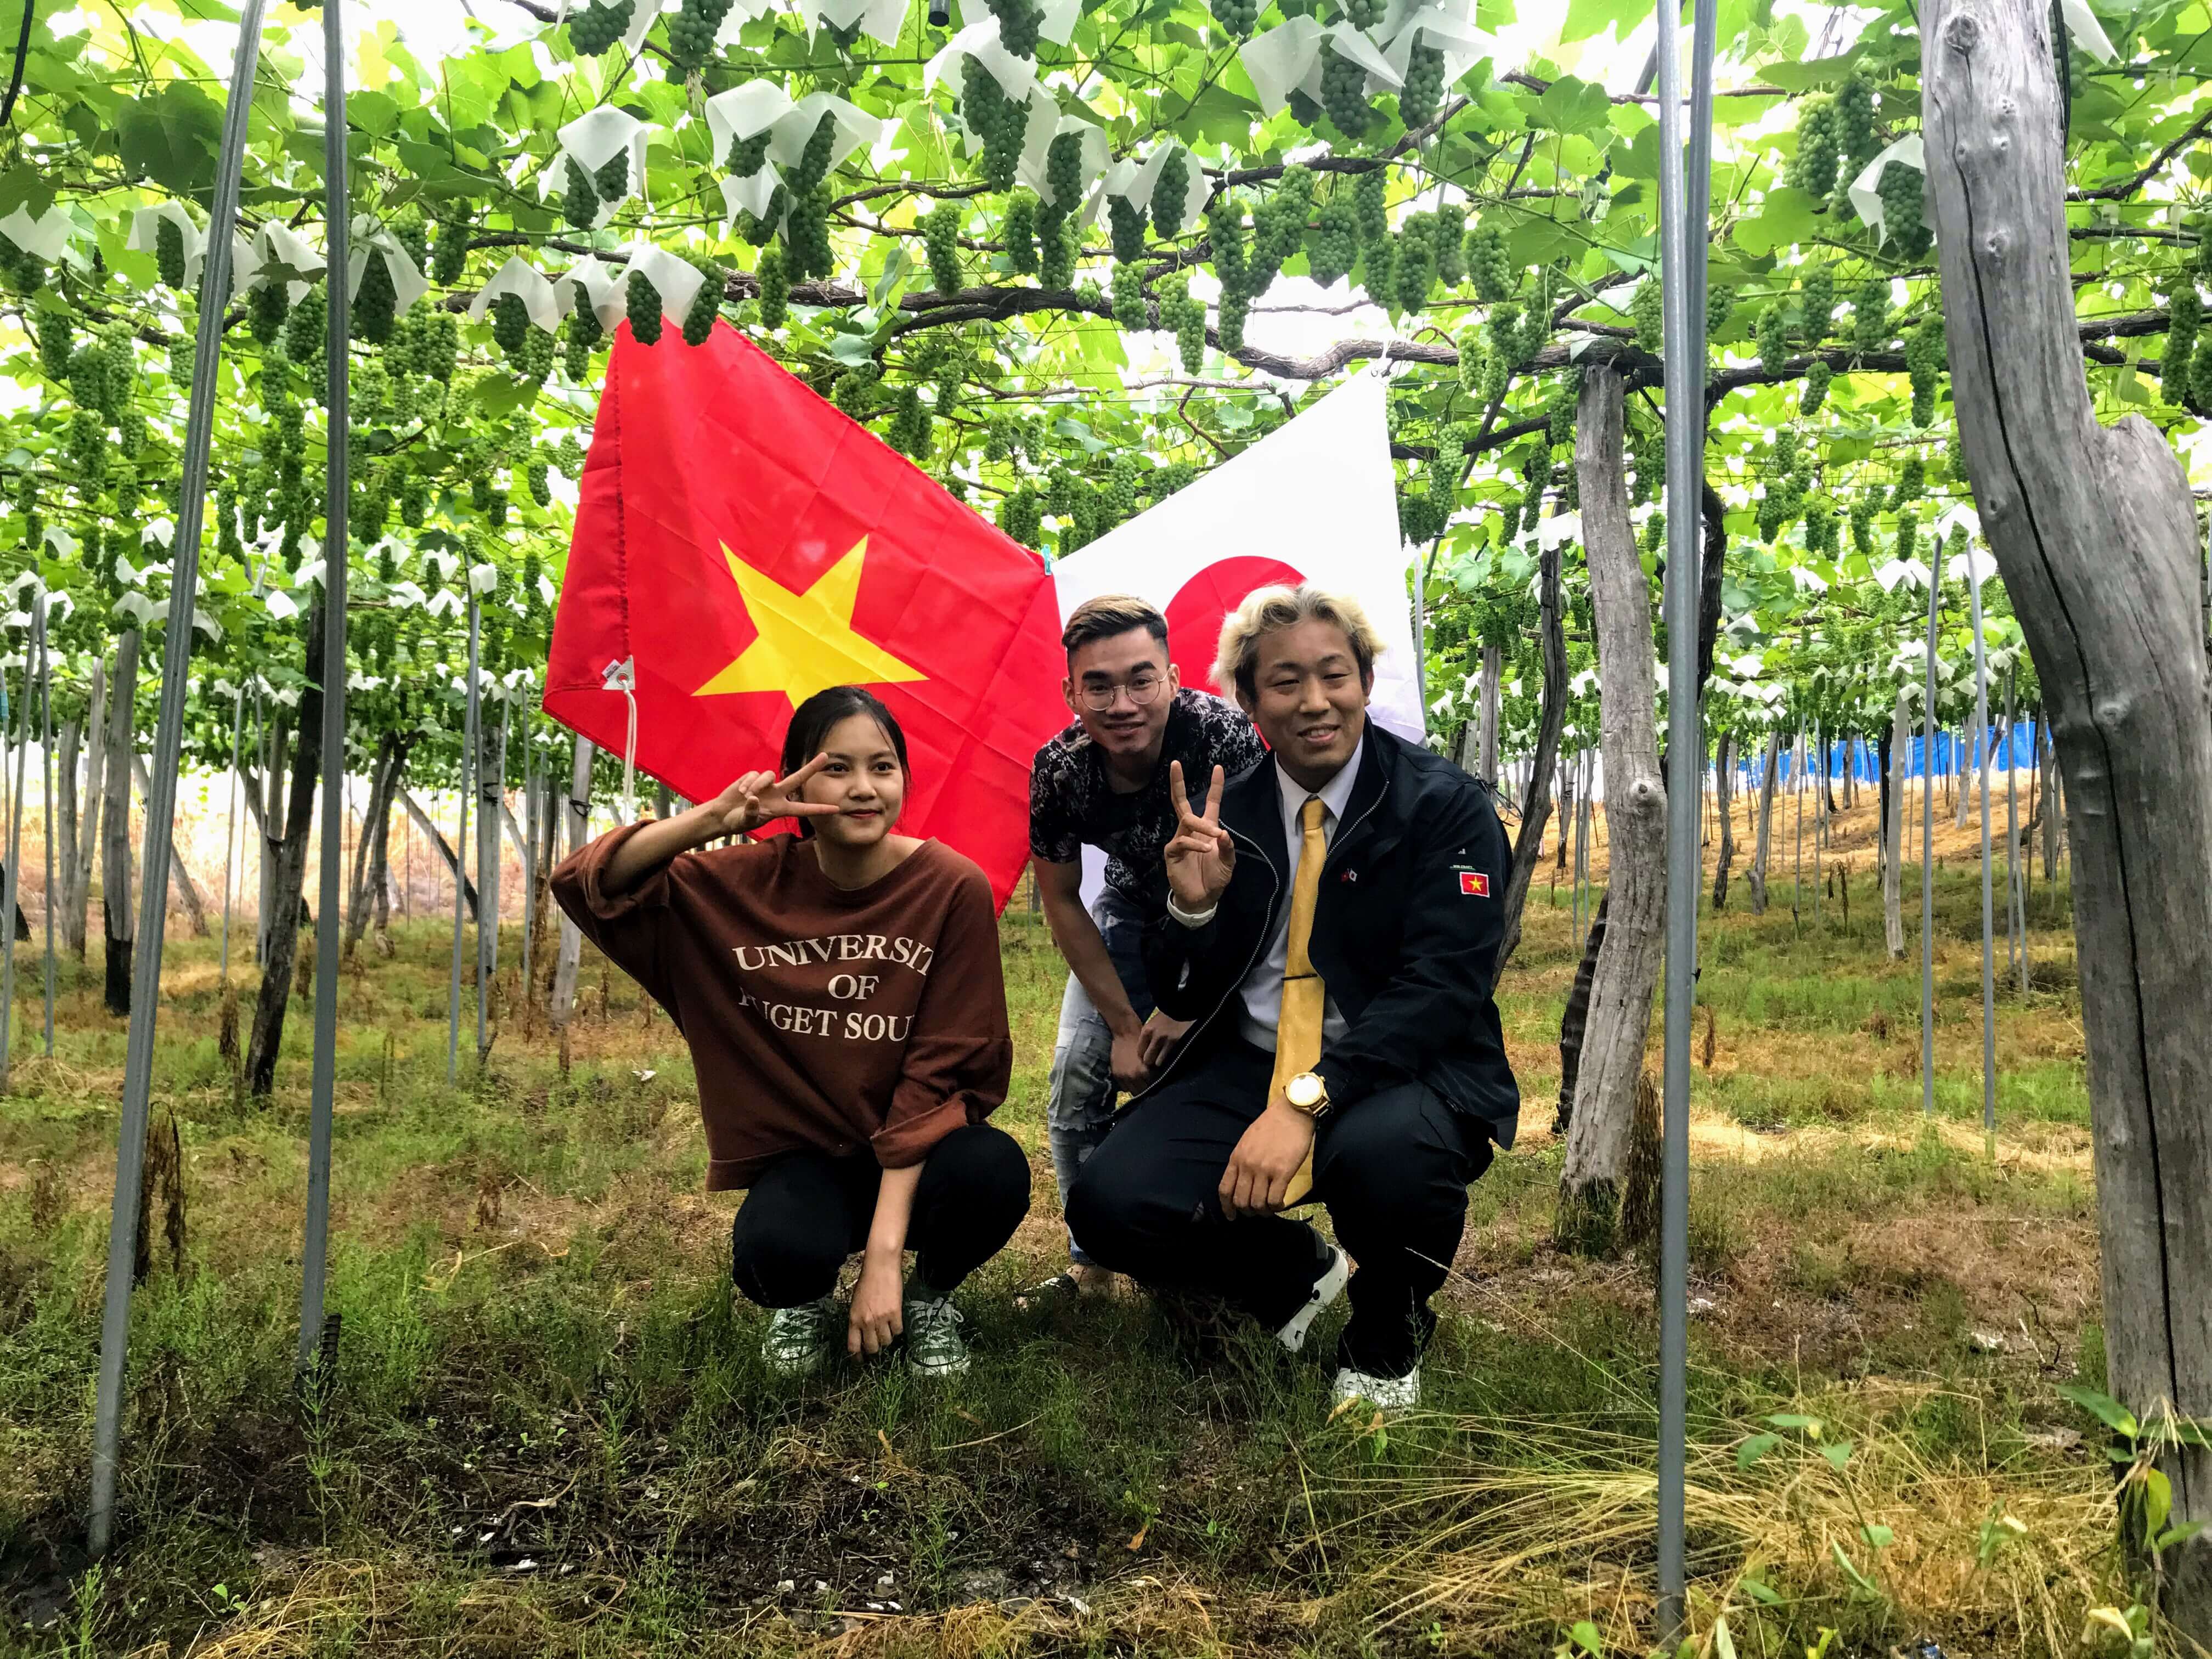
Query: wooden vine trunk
[2093,530]
[120,917]
[1627,969]
[573,814]
[288,879]
[1892,832]
[180,878]
[1755,878]
[1536,800]
[1721,801]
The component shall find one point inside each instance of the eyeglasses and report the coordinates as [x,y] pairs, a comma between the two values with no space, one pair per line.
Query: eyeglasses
[1143,689]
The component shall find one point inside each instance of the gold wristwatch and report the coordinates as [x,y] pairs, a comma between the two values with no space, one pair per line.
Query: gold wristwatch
[1307,1093]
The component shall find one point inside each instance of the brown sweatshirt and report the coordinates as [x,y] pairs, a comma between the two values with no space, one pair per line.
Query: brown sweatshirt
[872,1019]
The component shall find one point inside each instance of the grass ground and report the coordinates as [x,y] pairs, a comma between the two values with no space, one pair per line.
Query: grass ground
[551,1431]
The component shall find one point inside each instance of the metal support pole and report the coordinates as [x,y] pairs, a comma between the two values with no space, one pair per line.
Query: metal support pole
[230,835]
[161,794]
[1927,853]
[12,901]
[47,764]
[337,554]
[1988,900]
[1683,235]
[461,848]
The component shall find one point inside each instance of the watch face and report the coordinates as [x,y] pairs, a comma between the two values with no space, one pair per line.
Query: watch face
[1304,1091]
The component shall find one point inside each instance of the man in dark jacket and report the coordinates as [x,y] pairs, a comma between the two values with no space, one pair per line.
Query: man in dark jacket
[1332,932]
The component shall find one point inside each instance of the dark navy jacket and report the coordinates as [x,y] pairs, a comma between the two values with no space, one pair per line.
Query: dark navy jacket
[1407,928]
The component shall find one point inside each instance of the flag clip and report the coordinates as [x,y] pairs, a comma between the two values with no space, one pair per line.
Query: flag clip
[622,677]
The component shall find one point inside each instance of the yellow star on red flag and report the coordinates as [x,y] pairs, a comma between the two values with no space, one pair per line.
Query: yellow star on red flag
[805,642]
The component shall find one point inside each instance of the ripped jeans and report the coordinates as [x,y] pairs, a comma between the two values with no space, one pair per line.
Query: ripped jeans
[1081,1107]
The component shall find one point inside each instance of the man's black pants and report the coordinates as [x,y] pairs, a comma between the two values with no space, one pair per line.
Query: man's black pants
[1393,1169]
[807,1212]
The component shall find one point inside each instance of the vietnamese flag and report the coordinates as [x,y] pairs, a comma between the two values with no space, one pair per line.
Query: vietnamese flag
[748,545]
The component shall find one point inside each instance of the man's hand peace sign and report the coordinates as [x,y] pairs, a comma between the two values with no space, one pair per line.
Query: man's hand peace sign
[1201,858]
[760,797]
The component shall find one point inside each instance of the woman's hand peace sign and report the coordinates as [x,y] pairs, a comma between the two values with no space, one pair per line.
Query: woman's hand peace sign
[760,798]
[1201,858]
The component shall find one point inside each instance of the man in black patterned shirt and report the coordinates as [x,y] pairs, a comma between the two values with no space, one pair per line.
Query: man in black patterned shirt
[1104,782]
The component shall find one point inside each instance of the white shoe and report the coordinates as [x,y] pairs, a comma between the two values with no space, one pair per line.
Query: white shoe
[934,1347]
[1326,1290]
[1389,1394]
[799,1339]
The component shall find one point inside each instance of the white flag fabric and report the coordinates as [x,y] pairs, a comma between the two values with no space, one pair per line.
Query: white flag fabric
[1316,501]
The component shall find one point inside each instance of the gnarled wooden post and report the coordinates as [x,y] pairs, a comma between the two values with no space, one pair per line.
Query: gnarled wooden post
[1627,966]
[2094,533]
[1536,800]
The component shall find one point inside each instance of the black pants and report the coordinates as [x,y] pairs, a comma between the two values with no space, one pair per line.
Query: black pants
[1393,1169]
[806,1213]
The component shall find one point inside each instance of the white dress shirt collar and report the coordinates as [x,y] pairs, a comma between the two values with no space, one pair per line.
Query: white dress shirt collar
[1335,795]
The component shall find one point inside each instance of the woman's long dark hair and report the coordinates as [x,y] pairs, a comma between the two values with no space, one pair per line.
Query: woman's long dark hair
[812,721]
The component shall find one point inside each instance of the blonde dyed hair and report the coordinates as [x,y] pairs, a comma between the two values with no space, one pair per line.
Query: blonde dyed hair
[1270,610]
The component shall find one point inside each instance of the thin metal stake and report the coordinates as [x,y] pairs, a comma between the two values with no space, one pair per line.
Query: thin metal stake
[161,791]
[46,760]
[1927,855]
[460,846]
[1989,902]
[12,901]
[1683,239]
[313,1352]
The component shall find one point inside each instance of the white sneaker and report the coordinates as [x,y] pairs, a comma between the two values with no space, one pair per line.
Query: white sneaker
[799,1339]
[934,1347]
[1389,1394]
[1326,1290]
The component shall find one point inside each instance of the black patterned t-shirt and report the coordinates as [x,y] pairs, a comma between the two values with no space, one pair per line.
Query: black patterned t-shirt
[1072,801]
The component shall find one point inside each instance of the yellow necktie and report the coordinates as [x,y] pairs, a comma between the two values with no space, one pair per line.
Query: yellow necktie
[1298,1020]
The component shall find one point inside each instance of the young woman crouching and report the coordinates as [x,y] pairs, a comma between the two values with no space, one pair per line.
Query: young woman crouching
[841,992]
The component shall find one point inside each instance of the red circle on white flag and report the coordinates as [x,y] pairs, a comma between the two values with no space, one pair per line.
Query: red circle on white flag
[1195,614]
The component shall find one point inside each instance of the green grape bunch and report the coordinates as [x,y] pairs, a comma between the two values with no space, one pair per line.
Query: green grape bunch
[999,121]
[1125,222]
[643,301]
[1449,232]
[1903,190]
[1817,377]
[2184,317]
[1056,255]
[1362,14]
[1870,329]
[1817,300]
[774,287]
[1423,90]
[1413,269]
[1063,171]
[57,348]
[510,324]
[1484,252]
[1923,363]
[1017,232]
[169,251]
[1333,247]
[1236,17]
[1018,23]
[1772,333]
[579,203]
[582,339]
[705,307]
[1021,517]
[1171,186]
[748,155]
[692,28]
[376,303]
[1813,168]
[1645,314]
[266,304]
[599,26]
[1129,298]
[1343,94]
[940,231]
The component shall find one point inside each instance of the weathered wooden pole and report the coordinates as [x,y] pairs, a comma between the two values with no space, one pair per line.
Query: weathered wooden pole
[2095,536]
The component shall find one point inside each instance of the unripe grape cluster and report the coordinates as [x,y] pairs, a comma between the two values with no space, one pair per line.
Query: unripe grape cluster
[1236,17]
[1813,168]
[1817,377]
[1487,265]
[1923,362]
[1857,139]
[1344,94]
[1425,85]
[2185,316]
[599,26]
[376,302]
[1017,231]
[1129,297]
[643,301]
[1019,22]
[449,254]
[1902,190]
[692,28]
[1334,246]
[1186,317]
[584,333]
[1000,121]
[1169,188]
[1772,334]
[705,307]
[1126,223]
[774,287]
[940,236]
[510,324]
[1870,314]
[1021,517]
[169,251]
[1645,314]
[266,304]
[1817,300]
